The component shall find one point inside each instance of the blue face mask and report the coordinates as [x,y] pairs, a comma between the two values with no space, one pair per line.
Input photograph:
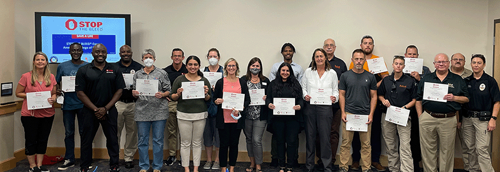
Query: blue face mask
[235,117]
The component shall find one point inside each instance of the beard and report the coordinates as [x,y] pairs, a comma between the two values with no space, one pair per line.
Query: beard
[367,52]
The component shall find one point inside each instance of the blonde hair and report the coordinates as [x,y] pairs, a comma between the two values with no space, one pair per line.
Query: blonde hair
[227,62]
[46,71]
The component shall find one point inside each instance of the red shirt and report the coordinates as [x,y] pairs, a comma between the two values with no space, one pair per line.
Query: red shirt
[232,87]
[25,81]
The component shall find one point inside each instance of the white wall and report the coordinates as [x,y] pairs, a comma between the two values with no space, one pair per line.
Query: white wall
[244,29]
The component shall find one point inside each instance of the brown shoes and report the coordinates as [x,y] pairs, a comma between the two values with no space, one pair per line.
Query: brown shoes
[378,166]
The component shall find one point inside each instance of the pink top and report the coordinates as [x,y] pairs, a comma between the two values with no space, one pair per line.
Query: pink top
[25,81]
[232,87]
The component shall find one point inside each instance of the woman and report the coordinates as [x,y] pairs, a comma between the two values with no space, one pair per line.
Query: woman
[211,135]
[319,84]
[191,113]
[256,119]
[483,108]
[37,123]
[286,127]
[151,112]
[230,121]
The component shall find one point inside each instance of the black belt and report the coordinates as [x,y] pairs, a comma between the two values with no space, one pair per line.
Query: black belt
[477,114]
[127,101]
[441,115]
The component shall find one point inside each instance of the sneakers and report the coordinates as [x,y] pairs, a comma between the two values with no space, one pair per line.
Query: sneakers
[377,166]
[216,166]
[369,170]
[343,170]
[114,169]
[34,169]
[170,161]
[43,169]
[355,165]
[207,166]
[84,170]
[67,163]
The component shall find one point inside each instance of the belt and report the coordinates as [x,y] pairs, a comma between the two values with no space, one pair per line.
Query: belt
[127,101]
[476,114]
[440,115]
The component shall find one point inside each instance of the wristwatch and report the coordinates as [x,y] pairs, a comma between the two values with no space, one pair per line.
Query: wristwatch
[494,117]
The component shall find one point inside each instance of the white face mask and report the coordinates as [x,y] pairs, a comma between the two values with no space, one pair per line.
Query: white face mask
[213,61]
[148,62]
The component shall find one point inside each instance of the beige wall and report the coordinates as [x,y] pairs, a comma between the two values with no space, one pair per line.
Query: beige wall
[244,29]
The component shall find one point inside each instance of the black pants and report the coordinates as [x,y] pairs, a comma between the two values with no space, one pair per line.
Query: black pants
[415,140]
[376,138]
[36,134]
[229,138]
[90,126]
[286,130]
[318,120]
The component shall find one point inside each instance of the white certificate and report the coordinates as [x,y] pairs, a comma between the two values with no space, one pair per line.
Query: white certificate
[68,83]
[212,77]
[356,122]
[397,115]
[413,64]
[193,90]
[256,96]
[283,106]
[146,87]
[435,92]
[377,65]
[38,100]
[321,96]
[129,80]
[233,100]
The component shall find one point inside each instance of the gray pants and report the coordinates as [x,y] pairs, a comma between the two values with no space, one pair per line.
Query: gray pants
[254,129]
[477,138]
[397,139]
[318,123]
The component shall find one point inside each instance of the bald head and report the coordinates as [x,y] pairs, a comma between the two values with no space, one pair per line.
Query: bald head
[441,62]
[100,53]
[329,46]
[126,54]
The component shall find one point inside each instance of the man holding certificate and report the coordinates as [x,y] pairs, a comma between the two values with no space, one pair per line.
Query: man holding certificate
[358,97]
[398,93]
[436,114]
[319,87]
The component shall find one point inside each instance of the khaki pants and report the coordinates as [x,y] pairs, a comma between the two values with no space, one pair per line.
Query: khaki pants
[398,136]
[172,128]
[126,118]
[432,131]
[477,138]
[465,156]
[366,148]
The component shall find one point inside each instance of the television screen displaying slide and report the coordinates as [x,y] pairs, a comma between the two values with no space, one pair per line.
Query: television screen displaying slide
[55,32]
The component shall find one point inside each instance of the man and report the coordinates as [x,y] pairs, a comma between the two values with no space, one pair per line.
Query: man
[72,105]
[287,50]
[367,45]
[176,69]
[340,67]
[437,119]
[412,52]
[458,67]
[357,96]
[126,106]
[99,86]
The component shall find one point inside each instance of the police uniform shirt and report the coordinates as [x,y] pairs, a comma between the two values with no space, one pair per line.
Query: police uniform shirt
[483,92]
[131,69]
[99,85]
[399,92]
[456,86]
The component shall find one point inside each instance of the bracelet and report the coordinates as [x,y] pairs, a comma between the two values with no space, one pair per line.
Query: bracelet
[105,108]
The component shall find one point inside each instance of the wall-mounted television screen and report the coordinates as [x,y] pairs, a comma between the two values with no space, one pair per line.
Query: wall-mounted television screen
[55,32]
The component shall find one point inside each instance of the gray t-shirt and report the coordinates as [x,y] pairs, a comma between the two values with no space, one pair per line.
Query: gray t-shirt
[357,91]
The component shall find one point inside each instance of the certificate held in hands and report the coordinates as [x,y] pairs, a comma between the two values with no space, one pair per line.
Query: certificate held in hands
[356,123]
[397,115]
[146,87]
[413,64]
[256,96]
[68,83]
[321,97]
[233,100]
[129,80]
[284,106]
[38,100]
[193,90]
[377,65]
[435,92]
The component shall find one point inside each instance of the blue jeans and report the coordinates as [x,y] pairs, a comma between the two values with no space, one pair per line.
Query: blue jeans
[158,128]
[69,130]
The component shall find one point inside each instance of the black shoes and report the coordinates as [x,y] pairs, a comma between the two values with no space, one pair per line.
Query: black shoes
[129,164]
[170,161]
[274,163]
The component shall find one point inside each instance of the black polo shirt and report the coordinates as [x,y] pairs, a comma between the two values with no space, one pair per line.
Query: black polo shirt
[399,92]
[456,86]
[173,74]
[483,92]
[131,69]
[99,85]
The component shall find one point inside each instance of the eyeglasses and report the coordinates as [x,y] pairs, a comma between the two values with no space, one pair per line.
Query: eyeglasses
[441,62]
[460,60]
[231,66]
[329,45]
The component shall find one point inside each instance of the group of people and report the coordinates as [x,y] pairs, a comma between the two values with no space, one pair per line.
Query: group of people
[106,94]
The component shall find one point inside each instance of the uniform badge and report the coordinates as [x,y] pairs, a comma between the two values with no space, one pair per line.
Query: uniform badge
[482,87]
[132,71]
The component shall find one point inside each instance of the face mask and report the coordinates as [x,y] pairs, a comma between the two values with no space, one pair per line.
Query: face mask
[213,61]
[235,117]
[148,62]
[255,71]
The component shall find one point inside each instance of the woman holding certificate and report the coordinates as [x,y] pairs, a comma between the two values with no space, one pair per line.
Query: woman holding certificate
[231,96]
[191,91]
[285,99]
[151,86]
[481,117]
[38,89]
[319,87]
[256,119]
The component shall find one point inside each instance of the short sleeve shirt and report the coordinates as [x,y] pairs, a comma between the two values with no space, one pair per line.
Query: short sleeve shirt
[25,81]
[150,108]
[399,92]
[365,66]
[456,86]
[173,74]
[357,88]
[483,92]
[131,69]
[68,68]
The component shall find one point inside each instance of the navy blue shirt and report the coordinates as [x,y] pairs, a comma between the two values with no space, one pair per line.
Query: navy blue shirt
[483,92]
[456,86]
[99,85]
[68,68]
[130,69]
